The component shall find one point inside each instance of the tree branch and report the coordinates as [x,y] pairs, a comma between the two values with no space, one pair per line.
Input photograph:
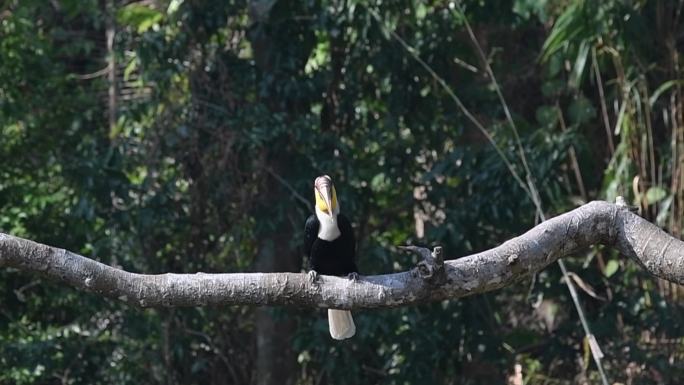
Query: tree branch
[594,223]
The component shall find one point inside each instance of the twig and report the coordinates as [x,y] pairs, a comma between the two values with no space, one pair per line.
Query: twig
[93,75]
[287,185]
[217,351]
[453,96]
[530,188]
[602,98]
[573,158]
[536,199]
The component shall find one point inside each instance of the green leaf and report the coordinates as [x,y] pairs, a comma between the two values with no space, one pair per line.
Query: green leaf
[555,65]
[421,11]
[528,8]
[655,194]
[611,268]
[580,63]
[130,68]
[581,110]
[379,182]
[547,116]
[139,16]
[564,30]
[174,5]
[320,55]
[552,88]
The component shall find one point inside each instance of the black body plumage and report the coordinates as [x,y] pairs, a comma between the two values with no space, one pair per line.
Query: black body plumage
[336,257]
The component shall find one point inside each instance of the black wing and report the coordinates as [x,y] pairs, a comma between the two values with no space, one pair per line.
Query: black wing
[347,233]
[310,234]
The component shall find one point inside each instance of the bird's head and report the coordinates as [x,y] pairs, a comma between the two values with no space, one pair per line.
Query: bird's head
[326,196]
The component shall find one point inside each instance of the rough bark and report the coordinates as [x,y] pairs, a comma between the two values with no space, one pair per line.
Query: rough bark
[594,223]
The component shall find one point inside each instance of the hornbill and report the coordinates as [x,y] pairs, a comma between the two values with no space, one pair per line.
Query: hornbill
[330,245]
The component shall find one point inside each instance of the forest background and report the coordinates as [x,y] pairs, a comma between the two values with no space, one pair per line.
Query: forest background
[184,136]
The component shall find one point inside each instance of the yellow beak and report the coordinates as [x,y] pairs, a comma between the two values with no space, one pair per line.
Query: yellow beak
[326,192]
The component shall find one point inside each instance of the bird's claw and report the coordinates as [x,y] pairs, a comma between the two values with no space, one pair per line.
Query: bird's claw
[353,277]
[313,276]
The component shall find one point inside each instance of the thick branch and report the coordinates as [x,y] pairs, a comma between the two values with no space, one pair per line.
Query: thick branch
[594,223]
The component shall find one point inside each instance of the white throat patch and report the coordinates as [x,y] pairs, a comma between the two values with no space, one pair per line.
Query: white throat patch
[328,229]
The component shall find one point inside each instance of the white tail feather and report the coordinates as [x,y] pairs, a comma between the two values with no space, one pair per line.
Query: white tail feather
[341,324]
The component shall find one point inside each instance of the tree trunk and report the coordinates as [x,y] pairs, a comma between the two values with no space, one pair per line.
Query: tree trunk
[275,362]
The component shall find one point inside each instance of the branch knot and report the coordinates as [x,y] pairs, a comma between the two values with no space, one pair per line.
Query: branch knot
[431,268]
[513,258]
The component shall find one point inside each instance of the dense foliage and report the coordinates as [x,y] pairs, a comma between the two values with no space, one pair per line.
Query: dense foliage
[225,111]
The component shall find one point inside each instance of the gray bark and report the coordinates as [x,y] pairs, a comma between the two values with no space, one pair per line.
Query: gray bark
[594,223]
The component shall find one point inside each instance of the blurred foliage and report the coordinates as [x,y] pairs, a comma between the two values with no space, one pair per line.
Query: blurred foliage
[227,110]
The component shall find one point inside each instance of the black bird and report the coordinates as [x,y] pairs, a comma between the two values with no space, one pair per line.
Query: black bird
[330,245]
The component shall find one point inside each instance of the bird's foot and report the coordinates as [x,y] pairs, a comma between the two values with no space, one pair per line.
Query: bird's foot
[313,276]
[353,277]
